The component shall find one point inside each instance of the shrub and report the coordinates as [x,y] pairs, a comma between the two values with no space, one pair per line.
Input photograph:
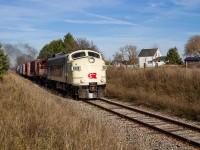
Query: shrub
[4,66]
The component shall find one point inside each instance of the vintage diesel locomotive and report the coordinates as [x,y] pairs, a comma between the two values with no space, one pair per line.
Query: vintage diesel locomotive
[82,73]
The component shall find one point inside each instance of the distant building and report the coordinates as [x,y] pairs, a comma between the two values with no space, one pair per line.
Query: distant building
[151,58]
[192,62]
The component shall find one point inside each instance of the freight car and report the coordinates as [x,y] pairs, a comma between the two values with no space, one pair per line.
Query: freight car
[22,69]
[37,69]
[80,73]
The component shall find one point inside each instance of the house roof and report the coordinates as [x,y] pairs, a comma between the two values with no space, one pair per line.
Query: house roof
[161,58]
[192,59]
[147,52]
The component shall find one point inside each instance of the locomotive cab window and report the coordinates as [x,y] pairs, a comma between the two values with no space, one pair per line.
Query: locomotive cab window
[78,55]
[93,54]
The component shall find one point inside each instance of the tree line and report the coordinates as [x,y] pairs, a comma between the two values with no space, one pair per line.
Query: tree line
[67,44]
[127,54]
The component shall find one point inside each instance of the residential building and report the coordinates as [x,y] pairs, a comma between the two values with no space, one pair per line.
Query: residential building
[151,58]
[192,62]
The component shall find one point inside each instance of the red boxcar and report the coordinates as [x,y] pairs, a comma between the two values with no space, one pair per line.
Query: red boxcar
[38,68]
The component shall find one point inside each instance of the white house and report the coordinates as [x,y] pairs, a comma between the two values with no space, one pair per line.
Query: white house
[150,58]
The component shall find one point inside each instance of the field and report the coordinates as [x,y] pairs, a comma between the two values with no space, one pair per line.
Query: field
[33,118]
[172,90]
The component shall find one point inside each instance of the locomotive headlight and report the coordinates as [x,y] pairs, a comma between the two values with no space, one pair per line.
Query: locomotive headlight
[82,80]
[91,59]
[76,68]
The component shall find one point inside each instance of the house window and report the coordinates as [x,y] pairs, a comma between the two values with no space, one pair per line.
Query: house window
[149,62]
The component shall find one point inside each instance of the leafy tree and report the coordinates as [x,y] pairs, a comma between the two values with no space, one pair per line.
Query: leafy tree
[56,46]
[4,66]
[70,43]
[173,57]
[52,48]
[192,47]
[45,52]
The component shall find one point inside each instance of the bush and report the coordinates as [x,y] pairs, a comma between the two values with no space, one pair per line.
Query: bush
[4,66]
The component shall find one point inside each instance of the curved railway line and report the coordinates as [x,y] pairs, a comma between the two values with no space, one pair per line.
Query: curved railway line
[178,130]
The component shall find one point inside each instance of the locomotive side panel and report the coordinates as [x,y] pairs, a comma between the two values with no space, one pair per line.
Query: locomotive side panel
[56,69]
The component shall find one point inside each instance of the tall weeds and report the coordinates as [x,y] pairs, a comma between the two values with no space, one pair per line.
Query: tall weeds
[31,118]
[175,90]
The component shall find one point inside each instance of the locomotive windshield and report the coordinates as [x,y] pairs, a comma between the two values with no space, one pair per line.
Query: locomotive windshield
[82,54]
[93,54]
[78,55]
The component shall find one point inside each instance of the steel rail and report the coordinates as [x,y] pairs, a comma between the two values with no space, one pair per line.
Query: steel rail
[183,139]
[194,128]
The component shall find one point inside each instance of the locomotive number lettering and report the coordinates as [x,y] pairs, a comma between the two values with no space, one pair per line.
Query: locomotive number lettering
[92,75]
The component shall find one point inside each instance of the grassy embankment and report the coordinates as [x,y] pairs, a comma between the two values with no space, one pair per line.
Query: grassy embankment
[173,90]
[32,118]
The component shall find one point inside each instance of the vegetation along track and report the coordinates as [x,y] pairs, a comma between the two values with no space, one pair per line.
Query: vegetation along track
[178,130]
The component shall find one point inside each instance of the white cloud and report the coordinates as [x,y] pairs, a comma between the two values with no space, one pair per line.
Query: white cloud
[103,20]
[117,22]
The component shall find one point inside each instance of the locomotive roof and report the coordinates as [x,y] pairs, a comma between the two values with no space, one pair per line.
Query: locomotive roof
[84,50]
[65,54]
[58,56]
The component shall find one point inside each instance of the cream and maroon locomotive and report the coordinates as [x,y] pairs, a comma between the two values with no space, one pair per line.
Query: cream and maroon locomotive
[82,73]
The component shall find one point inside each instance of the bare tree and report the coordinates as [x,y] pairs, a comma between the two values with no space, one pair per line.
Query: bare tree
[83,43]
[192,47]
[126,55]
[117,58]
[130,54]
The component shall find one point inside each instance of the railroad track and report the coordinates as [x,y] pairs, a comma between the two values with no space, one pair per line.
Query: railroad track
[172,128]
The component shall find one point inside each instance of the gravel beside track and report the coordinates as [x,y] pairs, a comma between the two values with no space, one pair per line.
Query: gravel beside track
[130,135]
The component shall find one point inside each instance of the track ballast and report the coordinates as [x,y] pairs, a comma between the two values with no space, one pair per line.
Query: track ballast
[178,130]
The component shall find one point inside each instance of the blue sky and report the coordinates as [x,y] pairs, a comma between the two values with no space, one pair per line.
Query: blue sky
[110,24]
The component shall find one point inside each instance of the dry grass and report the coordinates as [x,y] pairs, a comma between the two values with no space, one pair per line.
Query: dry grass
[31,118]
[175,90]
